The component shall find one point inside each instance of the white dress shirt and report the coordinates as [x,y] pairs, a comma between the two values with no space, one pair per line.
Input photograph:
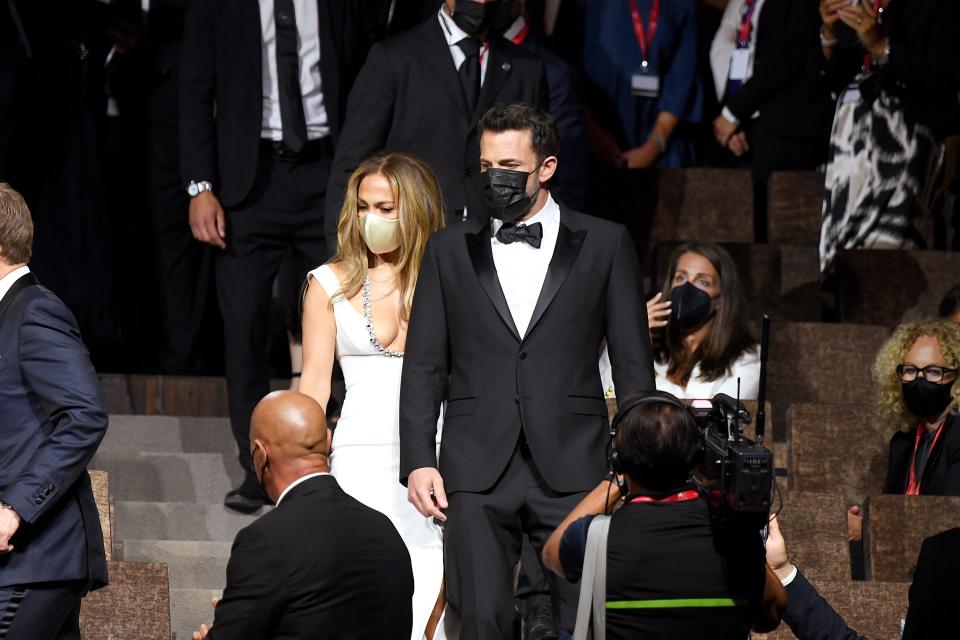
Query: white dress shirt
[521,268]
[455,34]
[7,281]
[300,480]
[725,42]
[308,45]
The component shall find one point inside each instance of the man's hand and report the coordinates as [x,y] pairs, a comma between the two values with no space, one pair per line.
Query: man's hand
[425,492]
[9,523]
[723,130]
[207,221]
[202,632]
[738,144]
[854,524]
[777,550]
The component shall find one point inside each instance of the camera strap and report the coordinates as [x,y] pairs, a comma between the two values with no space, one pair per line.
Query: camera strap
[592,608]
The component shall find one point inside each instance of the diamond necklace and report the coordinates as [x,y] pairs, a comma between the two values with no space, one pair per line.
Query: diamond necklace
[368,315]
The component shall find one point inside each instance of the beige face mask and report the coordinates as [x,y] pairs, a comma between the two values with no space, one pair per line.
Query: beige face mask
[380,234]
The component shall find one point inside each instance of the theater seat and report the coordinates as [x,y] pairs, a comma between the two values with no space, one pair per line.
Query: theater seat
[895,527]
[135,605]
[911,286]
[815,528]
[794,206]
[101,494]
[838,449]
[873,609]
[820,363]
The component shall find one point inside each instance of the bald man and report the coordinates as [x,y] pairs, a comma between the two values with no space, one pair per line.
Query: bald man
[320,565]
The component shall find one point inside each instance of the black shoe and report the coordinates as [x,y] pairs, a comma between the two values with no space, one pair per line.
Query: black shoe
[539,625]
[246,498]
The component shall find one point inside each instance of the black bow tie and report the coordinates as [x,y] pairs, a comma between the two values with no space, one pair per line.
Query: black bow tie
[532,234]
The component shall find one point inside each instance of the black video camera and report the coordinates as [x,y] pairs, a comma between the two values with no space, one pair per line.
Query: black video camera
[738,472]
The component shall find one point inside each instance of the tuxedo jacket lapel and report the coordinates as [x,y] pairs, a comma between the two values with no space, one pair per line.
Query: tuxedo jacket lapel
[566,251]
[498,68]
[478,245]
[441,62]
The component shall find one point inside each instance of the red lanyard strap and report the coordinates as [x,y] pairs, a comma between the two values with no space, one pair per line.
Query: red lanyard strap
[682,496]
[746,23]
[522,35]
[644,38]
[913,484]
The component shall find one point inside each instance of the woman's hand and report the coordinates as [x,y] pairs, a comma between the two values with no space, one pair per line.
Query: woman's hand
[829,15]
[658,313]
[860,18]
[644,156]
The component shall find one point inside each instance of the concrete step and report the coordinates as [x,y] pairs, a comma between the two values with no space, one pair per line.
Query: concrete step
[193,564]
[154,434]
[202,478]
[140,520]
[189,608]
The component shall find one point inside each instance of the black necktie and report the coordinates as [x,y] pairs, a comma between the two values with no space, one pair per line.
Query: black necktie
[470,71]
[532,234]
[288,76]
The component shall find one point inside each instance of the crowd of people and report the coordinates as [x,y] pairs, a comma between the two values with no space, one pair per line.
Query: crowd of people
[407,180]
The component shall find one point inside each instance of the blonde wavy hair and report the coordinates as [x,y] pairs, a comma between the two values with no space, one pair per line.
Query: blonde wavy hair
[890,405]
[419,205]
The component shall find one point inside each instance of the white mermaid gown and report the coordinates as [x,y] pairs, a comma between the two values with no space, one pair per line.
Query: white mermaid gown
[366,451]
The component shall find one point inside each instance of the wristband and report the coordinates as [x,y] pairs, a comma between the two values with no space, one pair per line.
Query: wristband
[824,40]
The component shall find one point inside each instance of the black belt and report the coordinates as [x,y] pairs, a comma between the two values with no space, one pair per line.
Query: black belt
[313,150]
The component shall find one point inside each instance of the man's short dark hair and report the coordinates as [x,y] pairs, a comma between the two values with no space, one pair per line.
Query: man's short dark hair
[660,444]
[524,117]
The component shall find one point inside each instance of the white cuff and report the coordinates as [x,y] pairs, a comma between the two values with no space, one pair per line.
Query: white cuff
[790,578]
[726,113]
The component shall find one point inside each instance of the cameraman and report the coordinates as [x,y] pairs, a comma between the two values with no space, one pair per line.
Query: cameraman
[669,573]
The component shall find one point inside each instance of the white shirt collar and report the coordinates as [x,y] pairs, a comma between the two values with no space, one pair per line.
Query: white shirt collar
[7,281]
[300,481]
[547,216]
[453,33]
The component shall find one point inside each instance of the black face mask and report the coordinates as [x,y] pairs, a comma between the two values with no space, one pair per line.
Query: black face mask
[505,193]
[476,19]
[926,399]
[690,306]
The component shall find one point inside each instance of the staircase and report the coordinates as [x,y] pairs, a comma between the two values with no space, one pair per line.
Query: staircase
[168,476]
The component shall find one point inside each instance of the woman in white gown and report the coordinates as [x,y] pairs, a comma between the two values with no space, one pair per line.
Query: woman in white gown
[356,309]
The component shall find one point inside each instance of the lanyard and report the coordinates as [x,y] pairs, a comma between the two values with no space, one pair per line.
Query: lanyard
[520,37]
[683,496]
[746,23]
[913,484]
[644,38]
[868,59]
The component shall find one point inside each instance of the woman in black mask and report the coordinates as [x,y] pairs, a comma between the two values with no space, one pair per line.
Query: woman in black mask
[699,330]
[916,373]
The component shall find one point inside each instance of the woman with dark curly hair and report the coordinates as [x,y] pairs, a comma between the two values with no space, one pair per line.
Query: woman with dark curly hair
[916,375]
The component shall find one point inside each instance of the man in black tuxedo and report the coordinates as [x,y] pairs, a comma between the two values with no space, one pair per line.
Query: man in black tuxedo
[51,422]
[276,75]
[423,91]
[507,323]
[320,565]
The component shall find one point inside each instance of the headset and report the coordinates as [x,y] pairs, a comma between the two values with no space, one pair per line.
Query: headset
[616,461]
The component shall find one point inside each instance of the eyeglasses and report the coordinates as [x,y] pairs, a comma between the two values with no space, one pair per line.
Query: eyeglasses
[932,373]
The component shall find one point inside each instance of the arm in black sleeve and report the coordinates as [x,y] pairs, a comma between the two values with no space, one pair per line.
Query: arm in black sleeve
[810,617]
[365,131]
[58,372]
[928,64]
[789,35]
[628,340]
[924,609]
[198,70]
[252,599]
[425,369]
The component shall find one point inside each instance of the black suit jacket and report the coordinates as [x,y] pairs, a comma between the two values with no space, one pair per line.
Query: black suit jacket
[810,617]
[321,565]
[546,383]
[220,85]
[941,475]
[51,422]
[934,597]
[408,98]
[792,104]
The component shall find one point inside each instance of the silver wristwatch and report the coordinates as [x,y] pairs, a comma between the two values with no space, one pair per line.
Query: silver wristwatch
[196,188]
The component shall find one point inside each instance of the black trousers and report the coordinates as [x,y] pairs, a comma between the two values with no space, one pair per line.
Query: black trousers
[282,213]
[42,611]
[482,544]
